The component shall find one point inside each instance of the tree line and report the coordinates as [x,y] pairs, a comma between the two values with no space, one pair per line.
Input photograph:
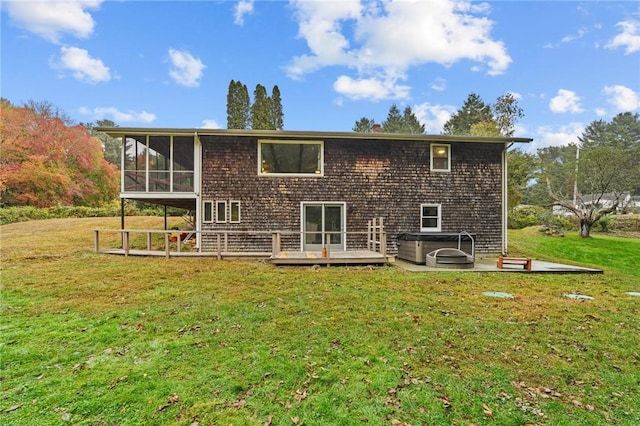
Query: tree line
[265,113]
[47,161]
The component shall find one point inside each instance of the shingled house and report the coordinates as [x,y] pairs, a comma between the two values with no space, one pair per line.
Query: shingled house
[320,186]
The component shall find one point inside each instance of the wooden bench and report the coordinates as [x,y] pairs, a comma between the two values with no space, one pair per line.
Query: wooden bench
[524,261]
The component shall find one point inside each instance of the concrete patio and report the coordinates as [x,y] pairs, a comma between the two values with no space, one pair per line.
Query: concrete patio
[490,265]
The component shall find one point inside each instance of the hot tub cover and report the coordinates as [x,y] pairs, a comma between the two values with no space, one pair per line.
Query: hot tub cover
[434,236]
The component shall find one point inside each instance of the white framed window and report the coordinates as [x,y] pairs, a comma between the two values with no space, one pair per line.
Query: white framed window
[234,211]
[290,158]
[430,217]
[440,158]
[221,211]
[207,211]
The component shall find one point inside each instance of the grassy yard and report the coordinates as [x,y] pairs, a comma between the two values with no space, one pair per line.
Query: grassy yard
[90,339]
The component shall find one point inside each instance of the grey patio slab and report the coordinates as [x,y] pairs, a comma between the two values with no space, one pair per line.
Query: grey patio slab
[490,265]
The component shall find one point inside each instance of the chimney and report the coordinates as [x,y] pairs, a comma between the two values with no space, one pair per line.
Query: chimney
[376,128]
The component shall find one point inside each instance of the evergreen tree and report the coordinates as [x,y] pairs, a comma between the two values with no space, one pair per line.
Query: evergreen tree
[238,106]
[474,110]
[260,110]
[277,116]
[477,118]
[393,123]
[410,123]
[364,125]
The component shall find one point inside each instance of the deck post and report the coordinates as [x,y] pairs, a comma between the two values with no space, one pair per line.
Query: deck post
[328,245]
[96,240]
[125,242]
[219,247]
[275,243]
[167,249]
[148,241]
[383,243]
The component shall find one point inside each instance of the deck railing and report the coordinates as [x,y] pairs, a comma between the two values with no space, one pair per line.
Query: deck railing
[225,243]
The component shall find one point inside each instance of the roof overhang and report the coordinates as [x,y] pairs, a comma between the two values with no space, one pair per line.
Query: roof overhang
[296,134]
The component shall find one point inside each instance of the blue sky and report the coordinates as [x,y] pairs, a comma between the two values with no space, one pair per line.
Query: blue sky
[169,63]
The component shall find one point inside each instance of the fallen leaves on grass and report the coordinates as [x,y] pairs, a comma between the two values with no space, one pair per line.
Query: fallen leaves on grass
[13,408]
[172,399]
[487,411]
[115,382]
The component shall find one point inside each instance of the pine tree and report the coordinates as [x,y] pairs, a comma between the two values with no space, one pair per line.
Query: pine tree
[474,110]
[260,110]
[393,123]
[410,122]
[238,106]
[275,110]
[364,125]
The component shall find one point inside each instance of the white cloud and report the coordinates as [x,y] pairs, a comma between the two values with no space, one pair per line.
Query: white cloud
[439,84]
[601,112]
[118,116]
[243,7]
[571,37]
[622,98]
[210,124]
[370,88]
[629,38]
[186,70]
[561,136]
[565,101]
[52,19]
[84,67]
[387,38]
[433,116]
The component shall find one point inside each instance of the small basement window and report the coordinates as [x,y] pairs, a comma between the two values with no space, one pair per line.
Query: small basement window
[290,158]
[430,217]
[440,158]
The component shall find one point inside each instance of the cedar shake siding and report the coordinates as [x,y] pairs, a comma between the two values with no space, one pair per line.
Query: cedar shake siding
[374,177]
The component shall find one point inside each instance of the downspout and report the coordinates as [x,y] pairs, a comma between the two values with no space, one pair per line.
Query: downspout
[505,208]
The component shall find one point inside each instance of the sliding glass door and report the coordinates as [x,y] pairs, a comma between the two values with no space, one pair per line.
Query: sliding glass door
[322,223]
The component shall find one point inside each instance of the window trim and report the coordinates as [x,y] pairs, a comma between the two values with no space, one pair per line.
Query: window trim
[431,163]
[318,173]
[235,203]
[217,211]
[438,217]
[204,211]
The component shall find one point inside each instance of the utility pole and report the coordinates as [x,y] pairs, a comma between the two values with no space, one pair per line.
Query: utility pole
[575,178]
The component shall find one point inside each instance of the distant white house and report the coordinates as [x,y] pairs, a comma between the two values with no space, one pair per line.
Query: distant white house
[626,203]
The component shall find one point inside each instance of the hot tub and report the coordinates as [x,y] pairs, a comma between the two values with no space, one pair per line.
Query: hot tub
[414,246]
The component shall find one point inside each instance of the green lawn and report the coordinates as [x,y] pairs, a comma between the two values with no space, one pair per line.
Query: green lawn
[92,339]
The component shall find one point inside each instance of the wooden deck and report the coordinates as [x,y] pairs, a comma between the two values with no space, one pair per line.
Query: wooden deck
[356,257]
[353,257]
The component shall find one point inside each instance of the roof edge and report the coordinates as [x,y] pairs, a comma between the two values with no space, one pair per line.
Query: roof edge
[121,131]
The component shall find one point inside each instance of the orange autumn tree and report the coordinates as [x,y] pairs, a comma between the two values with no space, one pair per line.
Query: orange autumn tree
[44,162]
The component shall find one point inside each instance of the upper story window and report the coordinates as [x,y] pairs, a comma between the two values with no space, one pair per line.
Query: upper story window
[440,158]
[158,164]
[290,158]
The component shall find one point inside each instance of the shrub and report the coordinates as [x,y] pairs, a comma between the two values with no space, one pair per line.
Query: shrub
[26,213]
[524,216]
